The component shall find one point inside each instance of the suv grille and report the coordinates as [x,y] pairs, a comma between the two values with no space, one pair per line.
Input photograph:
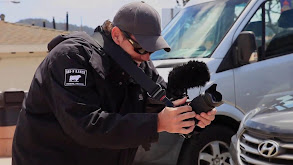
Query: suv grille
[251,146]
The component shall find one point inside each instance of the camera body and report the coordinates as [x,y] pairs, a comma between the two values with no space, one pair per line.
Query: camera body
[205,102]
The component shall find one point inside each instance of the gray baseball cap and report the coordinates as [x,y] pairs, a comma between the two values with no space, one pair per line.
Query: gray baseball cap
[143,21]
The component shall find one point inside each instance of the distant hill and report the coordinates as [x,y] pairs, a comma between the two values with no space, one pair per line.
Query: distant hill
[59,26]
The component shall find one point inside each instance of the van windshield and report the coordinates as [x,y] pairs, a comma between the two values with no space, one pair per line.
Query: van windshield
[197,30]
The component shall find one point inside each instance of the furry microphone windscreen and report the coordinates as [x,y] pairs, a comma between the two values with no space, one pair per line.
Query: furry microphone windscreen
[192,74]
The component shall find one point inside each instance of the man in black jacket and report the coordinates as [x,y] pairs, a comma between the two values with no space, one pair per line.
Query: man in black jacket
[83,109]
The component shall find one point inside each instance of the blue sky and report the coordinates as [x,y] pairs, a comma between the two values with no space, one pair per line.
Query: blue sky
[88,12]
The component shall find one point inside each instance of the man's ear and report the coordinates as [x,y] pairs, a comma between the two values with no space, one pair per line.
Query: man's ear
[117,35]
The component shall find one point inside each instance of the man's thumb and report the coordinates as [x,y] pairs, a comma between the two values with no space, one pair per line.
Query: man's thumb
[179,101]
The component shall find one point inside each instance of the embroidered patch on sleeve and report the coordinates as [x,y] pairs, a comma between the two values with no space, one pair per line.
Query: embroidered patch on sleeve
[75,77]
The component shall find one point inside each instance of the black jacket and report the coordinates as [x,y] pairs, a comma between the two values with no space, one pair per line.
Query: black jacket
[82,109]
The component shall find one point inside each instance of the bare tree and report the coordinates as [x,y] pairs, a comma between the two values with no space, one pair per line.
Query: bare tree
[183,2]
[273,11]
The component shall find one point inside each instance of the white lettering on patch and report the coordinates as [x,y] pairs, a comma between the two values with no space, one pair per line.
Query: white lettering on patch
[75,77]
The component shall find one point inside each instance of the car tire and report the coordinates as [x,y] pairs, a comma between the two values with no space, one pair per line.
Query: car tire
[209,147]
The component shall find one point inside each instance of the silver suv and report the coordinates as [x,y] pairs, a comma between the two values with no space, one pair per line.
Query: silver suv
[265,136]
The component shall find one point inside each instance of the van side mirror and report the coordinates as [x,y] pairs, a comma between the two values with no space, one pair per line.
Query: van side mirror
[245,49]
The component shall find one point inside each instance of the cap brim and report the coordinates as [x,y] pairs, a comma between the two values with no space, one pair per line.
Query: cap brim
[152,43]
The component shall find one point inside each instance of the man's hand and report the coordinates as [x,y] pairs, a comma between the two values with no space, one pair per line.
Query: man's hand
[205,118]
[172,119]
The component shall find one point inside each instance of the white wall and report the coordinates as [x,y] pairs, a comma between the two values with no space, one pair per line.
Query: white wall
[17,70]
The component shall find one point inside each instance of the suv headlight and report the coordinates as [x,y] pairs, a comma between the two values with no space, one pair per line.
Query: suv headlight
[245,118]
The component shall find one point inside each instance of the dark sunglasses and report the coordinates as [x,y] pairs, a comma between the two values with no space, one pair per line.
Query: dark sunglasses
[137,48]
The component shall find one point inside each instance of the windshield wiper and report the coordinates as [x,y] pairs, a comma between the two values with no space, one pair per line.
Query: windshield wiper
[175,58]
[171,58]
[170,65]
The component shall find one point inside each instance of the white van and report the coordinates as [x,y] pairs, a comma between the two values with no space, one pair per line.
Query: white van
[248,46]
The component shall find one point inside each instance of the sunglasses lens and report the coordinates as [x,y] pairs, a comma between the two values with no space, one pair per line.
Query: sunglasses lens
[137,48]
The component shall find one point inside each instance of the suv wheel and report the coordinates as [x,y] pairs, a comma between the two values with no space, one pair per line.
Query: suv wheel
[210,147]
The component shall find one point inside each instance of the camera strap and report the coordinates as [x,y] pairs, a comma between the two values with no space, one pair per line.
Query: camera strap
[123,59]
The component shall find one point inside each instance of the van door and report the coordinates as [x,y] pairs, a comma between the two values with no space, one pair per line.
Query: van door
[272,76]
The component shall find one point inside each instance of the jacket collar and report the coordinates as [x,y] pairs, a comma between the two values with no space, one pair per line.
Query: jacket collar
[105,66]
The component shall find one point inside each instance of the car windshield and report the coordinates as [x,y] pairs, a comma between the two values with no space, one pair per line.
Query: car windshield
[197,30]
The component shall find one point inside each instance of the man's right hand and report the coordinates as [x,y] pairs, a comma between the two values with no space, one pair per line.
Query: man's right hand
[171,119]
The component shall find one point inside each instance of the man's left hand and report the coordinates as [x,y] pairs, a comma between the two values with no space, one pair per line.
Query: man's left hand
[205,118]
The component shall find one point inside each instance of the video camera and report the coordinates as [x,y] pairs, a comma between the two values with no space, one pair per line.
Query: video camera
[194,74]
[205,102]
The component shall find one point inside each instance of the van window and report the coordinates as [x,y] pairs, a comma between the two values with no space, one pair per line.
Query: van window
[197,30]
[278,33]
